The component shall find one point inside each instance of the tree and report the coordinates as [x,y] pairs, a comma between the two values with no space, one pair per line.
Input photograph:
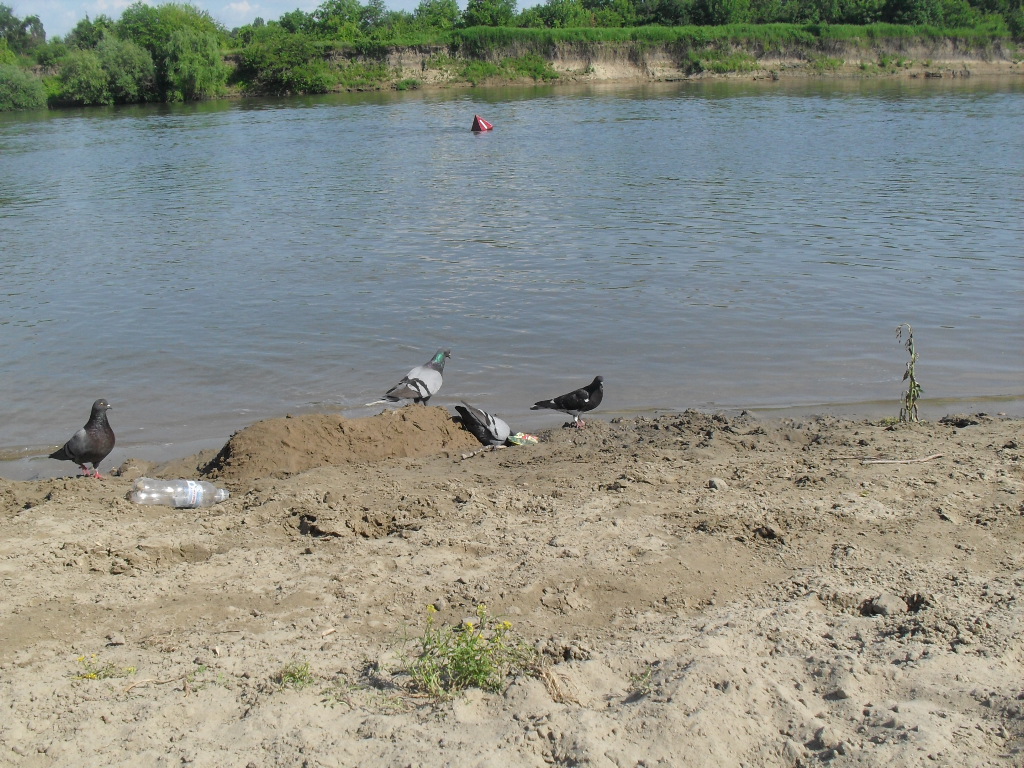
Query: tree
[178,36]
[131,75]
[195,66]
[22,35]
[373,15]
[297,21]
[613,13]
[437,14]
[489,13]
[674,13]
[338,19]
[82,79]
[87,34]
[721,12]
[558,14]
[913,12]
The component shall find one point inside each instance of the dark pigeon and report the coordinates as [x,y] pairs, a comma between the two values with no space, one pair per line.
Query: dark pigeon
[488,429]
[575,403]
[419,384]
[92,443]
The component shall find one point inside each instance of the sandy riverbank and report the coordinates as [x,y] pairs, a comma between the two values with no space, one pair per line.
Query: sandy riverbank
[702,591]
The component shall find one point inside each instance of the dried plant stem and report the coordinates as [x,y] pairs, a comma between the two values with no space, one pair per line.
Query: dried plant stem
[908,411]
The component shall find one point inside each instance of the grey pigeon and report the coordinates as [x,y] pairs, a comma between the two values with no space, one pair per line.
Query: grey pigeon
[92,443]
[419,384]
[577,402]
[488,429]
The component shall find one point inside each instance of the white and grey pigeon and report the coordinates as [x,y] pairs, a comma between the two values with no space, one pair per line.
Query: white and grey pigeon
[576,402]
[419,384]
[91,444]
[488,429]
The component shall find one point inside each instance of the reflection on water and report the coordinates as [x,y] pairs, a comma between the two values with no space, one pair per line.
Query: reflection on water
[699,244]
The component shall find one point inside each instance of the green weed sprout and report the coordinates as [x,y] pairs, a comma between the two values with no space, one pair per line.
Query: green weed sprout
[296,675]
[475,654]
[908,411]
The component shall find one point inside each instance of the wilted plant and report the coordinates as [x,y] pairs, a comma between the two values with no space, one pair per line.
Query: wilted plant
[908,411]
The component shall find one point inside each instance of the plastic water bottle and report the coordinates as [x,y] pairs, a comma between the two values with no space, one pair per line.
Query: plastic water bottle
[182,494]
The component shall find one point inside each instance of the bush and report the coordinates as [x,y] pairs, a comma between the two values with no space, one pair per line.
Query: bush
[20,89]
[531,65]
[83,79]
[278,62]
[131,76]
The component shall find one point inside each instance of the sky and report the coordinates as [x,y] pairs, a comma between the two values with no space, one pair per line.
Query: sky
[60,16]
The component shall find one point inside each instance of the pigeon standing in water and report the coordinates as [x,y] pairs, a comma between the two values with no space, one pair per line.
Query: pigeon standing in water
[92,443]
[575,403]
[488,429]
[419,384]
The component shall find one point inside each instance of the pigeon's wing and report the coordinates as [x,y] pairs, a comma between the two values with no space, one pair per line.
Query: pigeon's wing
[472,422]
[73,448]
[488,429]
[572,401]
[421,382]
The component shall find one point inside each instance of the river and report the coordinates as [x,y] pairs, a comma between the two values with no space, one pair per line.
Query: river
[711,245]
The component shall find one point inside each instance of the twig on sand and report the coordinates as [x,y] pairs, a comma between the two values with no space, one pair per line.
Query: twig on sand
[154,681]
[901,461]
[862,460]
[471,454]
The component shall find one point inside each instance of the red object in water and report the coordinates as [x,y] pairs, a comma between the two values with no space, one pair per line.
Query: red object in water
[479,124]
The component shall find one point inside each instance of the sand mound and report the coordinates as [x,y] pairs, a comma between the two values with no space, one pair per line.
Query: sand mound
[287,446]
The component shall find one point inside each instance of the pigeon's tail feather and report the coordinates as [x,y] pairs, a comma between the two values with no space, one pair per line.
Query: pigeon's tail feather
[61,454]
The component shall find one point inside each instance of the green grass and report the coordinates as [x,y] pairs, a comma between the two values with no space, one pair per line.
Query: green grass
[477,71]
[359,76]
[823,64]
[722,62]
